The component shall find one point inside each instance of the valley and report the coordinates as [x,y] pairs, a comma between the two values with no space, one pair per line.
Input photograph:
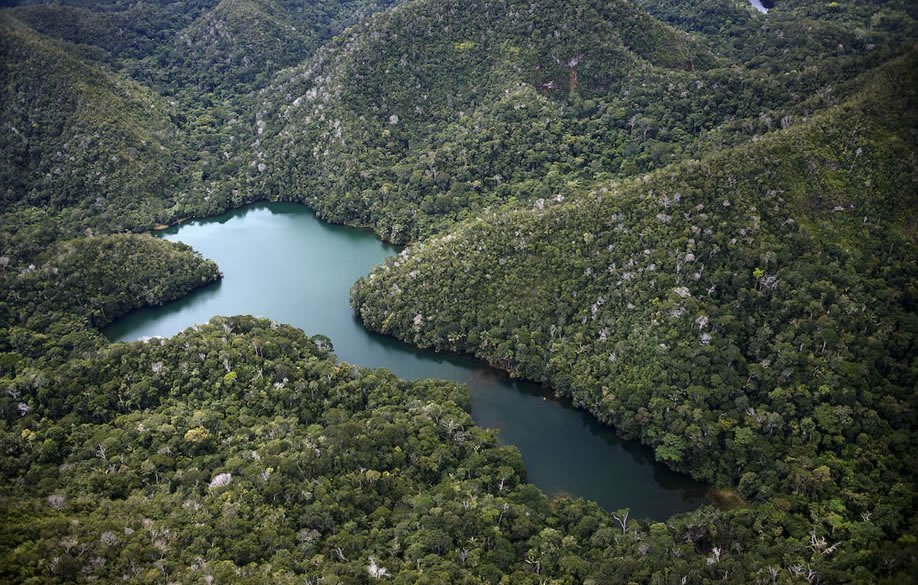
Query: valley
[630,297]
[279,262]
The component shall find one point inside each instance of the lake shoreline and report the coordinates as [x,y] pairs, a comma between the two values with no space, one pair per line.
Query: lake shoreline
[500,399]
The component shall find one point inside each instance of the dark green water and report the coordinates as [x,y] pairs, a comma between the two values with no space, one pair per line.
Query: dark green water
[280,262]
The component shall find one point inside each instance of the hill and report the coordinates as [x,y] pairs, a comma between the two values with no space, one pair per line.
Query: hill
[239,44]
[694,220]
[514,101]
[374,132]
[360,131]
[248,440]
[200,46]
[75,137]
[114,32]
[749,315]
[123,115]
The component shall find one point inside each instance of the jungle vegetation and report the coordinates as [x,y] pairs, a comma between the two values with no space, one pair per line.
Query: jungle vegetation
[695,220]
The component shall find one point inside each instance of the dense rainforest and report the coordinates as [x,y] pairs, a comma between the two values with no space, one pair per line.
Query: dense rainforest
[695,220]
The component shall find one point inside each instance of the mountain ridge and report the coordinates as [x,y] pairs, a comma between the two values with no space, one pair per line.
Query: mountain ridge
[698,225]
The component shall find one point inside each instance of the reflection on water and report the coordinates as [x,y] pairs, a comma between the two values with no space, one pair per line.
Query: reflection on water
[280,262]
[760,6]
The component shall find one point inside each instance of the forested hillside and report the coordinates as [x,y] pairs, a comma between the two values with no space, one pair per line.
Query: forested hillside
[378,132]
[513,101]
[120,116]
[241,451]
[76,137]
[227,47]
[695,220]
[50,308]
[508,102]
[243,42]
[751,315]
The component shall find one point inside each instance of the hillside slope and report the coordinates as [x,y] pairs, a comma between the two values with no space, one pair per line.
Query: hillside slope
[750,315]
[73,136]
[84,148]
[114,32]
[353,131]
[237,40]
[701,231]
[236,46]
[507,102]
[243,451]
[195,45]
[433,111]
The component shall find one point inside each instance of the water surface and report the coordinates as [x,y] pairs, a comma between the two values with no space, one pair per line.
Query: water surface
[760,6]
[282,263]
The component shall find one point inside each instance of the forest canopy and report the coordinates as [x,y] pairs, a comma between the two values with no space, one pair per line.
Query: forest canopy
[694,220]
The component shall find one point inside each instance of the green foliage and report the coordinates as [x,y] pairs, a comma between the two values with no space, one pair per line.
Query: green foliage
[305,468]
[77,138]
[84,147]
[424,137]
[749,315]
[512,101]
[47,305]
[238,45]
[695,220]
[102,278]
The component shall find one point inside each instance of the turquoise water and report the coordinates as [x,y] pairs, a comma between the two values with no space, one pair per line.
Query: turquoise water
[282,263]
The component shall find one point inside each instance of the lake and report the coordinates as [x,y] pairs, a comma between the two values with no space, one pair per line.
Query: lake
[282,263]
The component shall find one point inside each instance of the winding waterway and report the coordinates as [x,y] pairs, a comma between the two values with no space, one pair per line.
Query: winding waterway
[280,262]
